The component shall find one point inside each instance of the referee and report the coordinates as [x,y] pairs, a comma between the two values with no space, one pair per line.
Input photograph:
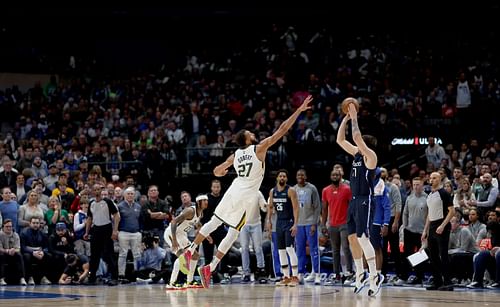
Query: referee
[102,225]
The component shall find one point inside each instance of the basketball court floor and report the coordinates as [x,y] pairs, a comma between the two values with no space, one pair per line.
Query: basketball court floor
[239,295]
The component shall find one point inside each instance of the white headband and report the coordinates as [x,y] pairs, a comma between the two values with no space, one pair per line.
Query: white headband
[201,197]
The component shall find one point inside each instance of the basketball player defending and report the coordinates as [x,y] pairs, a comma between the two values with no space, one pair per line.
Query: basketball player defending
[176,236]
[248,161]
[361,208]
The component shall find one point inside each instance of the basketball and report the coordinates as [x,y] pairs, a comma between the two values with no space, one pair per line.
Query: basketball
[346,102]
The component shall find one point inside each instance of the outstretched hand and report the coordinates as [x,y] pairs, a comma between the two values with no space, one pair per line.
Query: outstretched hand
[305,105]
[352,111]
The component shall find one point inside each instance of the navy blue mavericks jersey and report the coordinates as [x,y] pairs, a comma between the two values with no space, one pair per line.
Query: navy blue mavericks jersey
[282,204]
[362,179]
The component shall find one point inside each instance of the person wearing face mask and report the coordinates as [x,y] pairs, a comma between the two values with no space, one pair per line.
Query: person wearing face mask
[335,198]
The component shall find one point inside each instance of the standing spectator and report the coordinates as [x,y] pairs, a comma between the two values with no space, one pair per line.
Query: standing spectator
[253,231]
[129,235]
[20,188]
[414,218]
[104,218]
[336,198]
[56,214]
[381,219]
[434,153]
[307,229]
[392,237]
[10,252]
[8,174]
[214,197]
[437,233]
[477,229]
[155,213]
[82,247]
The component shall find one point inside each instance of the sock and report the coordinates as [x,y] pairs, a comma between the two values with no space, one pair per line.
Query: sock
[214,264]
[192,268]
[285,270]
[359,266]
[372,267]
[192,247]
[295,271]
[175,272]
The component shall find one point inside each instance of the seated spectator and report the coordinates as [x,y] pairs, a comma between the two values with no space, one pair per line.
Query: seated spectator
[463,196]
[8,207]
[10,252]
[488,260]
[486,195]
[32,208]
[20,188]
[35,249]
[477,229]
[461,249]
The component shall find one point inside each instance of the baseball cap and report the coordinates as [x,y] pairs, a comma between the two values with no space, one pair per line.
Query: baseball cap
[61,226]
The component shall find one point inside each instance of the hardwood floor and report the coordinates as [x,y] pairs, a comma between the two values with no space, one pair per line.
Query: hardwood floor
[239,295]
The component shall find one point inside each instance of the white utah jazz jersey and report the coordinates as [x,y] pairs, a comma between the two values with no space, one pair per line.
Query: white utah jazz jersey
[249,169]
[188,225]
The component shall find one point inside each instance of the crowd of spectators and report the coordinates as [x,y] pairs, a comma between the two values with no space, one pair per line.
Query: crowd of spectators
[145,128]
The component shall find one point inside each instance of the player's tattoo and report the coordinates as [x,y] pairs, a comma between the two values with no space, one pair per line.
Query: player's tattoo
[355,128]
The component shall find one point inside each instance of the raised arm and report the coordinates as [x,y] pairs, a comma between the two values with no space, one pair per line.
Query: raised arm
[369,155]
[221,169]
[346,145]
[283,128]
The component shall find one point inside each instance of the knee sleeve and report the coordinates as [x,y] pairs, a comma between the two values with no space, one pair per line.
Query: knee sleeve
[209,227]
[227,242]
[367,247]
[292,255]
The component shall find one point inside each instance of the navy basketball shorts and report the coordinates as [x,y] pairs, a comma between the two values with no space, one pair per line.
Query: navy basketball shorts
[360,215]
[283,233]
[376,237]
